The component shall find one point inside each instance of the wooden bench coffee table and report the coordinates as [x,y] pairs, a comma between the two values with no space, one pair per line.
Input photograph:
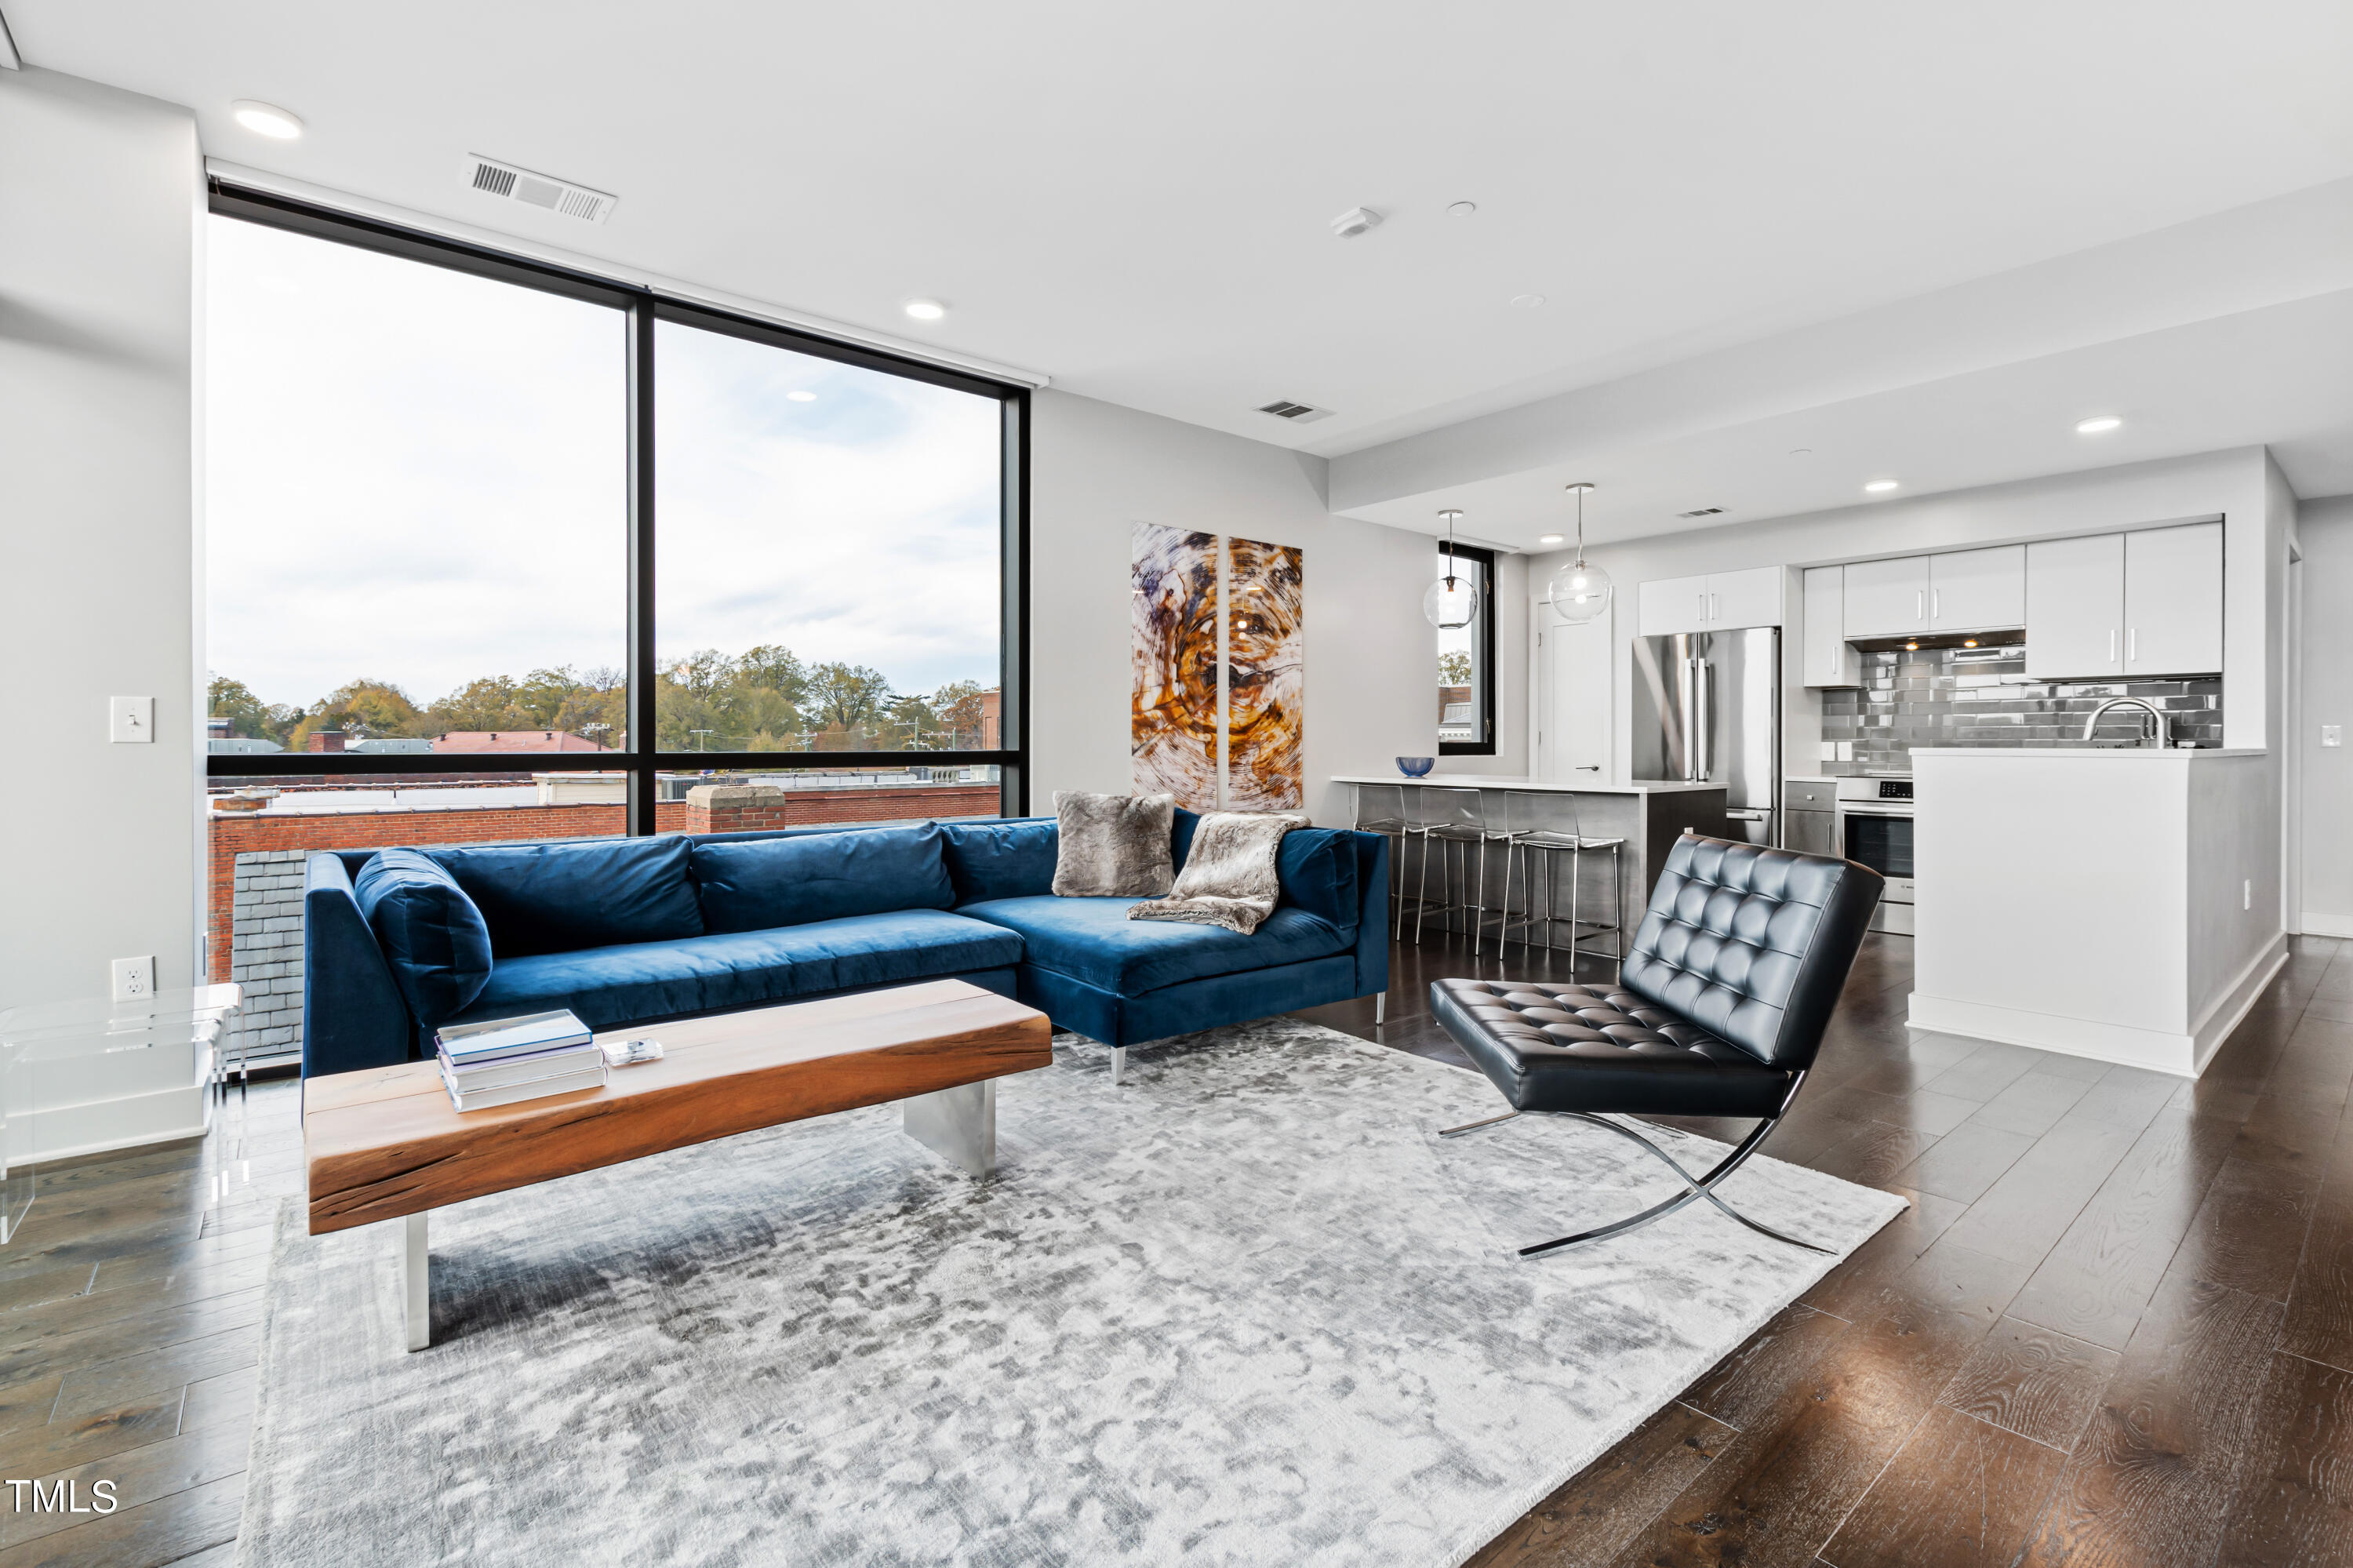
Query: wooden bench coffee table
[385,1143]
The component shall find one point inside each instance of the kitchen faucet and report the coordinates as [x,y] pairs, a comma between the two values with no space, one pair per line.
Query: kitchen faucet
[2154,730]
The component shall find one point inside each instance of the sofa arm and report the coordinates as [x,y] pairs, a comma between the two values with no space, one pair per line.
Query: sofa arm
[353,1016]
[1372,949]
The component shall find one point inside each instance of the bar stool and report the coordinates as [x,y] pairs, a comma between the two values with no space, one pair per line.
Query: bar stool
[1452,817]
[1524,835]
[1380,808]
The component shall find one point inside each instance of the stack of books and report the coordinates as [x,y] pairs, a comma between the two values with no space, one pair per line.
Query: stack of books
[502,1060]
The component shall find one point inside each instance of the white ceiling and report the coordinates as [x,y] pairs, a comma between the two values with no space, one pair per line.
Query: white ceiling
[1135,200]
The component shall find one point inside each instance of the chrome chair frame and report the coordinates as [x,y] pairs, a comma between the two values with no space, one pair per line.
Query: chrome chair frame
[1697,1187]
[1524,844]
[1472,831]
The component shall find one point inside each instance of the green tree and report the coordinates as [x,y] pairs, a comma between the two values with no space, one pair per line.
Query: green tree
[844,697]
[1454,668]
[360,708]
[959,708]
[248,714]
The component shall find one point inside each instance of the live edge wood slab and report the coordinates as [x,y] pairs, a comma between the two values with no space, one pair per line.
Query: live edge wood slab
[387,1142]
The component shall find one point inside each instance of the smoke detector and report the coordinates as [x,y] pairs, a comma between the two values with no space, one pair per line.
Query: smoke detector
[1297,413]
[545,191]
[1355,221]
[1702,511]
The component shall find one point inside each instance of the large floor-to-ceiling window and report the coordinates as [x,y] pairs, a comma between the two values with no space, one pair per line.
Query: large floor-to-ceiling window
[495,552]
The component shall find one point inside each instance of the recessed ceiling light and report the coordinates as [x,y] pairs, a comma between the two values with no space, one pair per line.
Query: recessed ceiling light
[1550,538]
[801,397]
[1528,302]
[1462,209]
[1880,486]
[2099,426]
[266,120]
[926,310]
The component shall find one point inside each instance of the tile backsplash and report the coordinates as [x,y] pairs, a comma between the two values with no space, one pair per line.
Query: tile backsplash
[1982,696]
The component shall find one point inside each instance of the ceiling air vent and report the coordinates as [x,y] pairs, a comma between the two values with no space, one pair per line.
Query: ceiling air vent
[1297,413]
[505,180]
[1702,511]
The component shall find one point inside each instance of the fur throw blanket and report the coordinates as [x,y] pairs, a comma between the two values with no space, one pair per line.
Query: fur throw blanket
[1228,878]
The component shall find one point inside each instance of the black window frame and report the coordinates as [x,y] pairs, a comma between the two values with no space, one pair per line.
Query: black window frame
[1482,654]
[642,308]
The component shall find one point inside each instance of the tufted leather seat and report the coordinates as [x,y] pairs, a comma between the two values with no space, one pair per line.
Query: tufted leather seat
[1723,997]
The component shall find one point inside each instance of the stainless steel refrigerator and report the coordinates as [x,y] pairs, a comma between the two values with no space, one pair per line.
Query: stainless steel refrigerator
[1707,707]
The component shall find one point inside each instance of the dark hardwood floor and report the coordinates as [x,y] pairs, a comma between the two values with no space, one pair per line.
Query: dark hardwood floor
[2115,1328]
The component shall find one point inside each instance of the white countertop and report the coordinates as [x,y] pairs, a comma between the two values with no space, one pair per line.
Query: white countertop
[1485,781]
[2183,753]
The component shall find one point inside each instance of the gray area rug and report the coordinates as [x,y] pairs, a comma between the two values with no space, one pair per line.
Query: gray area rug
[1244,1310]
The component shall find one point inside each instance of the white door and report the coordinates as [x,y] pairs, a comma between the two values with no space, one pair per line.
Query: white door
[2173,600]
[1670,605]
[2075,607]
[1576,709]
[1828,661]
[1751,598]
[1970,590]
[1887,599]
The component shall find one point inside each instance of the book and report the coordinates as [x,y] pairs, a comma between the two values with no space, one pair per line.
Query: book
[470,1076]
[498,1037]
[467,1099]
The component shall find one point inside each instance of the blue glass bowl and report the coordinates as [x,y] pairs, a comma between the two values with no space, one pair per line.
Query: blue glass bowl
[1416,766]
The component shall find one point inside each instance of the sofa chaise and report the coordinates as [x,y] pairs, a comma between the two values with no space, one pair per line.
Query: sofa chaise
[631,931]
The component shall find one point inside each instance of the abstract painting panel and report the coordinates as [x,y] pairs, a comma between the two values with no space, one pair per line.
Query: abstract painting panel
[1173,717]
[1266,677]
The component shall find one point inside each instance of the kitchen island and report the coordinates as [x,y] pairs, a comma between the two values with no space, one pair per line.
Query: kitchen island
[1649,817]
[2117,903]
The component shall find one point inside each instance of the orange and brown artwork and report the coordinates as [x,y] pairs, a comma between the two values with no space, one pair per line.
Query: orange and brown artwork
[1173,719]
[1266,677]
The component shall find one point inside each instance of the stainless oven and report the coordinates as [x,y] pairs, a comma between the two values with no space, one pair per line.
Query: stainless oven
[1874,829]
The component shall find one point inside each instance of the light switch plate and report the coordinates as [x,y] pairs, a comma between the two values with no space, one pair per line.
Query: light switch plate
[130,720]
[2332,735]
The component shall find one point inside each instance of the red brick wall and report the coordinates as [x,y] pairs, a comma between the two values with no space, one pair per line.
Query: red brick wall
[234,834]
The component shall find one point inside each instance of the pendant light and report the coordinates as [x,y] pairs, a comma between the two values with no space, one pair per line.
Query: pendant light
[1453,601]
[1579,594]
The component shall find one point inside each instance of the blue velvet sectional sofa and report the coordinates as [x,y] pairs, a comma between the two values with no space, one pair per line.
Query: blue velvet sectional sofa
[628,931]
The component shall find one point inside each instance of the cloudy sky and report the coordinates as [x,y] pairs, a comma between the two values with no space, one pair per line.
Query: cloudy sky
[418,476]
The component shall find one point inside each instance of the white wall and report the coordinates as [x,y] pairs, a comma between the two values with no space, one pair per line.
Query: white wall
[101,205]
[1372,661]
[2325,529]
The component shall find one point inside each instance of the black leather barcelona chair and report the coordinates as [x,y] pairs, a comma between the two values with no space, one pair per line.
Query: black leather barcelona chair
[1718,1012]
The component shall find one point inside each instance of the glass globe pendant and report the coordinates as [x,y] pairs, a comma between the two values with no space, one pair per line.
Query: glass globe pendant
[1579,593]
[1453,601]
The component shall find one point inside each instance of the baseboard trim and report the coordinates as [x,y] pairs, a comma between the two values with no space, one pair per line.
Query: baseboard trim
[2328,925]
[2183,1055]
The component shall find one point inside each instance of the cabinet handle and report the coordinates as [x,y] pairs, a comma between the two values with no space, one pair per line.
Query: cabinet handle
[1936,604]
[1919,609]
[2112,644]
[1715,606]
[1703,604]
[2132,645]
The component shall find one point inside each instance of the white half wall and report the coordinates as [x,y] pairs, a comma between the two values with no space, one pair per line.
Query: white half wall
[1372,661]
[101,204]
[2325,529]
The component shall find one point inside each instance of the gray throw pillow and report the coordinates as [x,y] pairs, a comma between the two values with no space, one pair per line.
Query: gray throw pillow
[1113,846]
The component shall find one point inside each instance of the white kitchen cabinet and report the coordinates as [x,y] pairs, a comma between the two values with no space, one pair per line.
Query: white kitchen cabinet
[1975,591]
[2173,600]
[1827,660]
[2075,607]
[1887,599]
[1672,605]
[1720,601]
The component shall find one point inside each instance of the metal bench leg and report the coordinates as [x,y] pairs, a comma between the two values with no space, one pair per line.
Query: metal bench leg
[959,1125]
[416,1270]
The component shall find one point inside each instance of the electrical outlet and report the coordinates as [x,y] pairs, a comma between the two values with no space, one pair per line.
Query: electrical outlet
[130,719]
[134,979]
[2332,735]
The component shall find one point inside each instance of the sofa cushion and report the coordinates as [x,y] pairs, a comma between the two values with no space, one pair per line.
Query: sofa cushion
[1092,939]
[433,937]
[1317,867]
[753,884]
[1112,846]
[612,986]
[563,896]
[1001,860]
